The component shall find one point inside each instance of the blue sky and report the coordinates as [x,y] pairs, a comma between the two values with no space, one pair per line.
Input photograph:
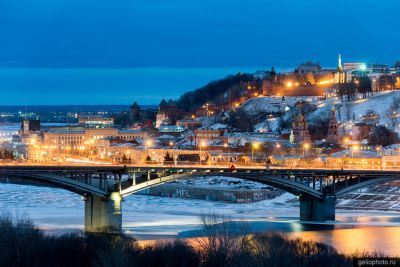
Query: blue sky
[44,44]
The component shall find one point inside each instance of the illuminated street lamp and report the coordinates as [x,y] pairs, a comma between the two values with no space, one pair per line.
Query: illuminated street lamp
[253,146]
[148,144]
[306,146]
[354,148]
[226,145]
[201,144]
[279,146]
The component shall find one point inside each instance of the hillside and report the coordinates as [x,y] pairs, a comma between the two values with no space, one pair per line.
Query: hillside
[345,111]
[214,92]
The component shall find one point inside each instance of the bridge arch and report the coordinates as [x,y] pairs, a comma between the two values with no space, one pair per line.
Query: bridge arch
[51,180]
[288,185]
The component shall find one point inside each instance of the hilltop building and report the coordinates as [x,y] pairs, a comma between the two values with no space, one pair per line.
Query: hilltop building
[308,67]
[340,74]
[139,115]
[168,113]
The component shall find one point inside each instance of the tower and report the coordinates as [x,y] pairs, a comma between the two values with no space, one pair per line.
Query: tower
[333,129]
[300,130]
[339,75]
[135,112]
[340,67]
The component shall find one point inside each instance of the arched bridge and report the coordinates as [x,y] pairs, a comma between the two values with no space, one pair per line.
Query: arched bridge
[103,187]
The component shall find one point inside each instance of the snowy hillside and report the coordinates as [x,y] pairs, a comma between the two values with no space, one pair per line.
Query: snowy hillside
[272,104]
[345,111]
[380,103]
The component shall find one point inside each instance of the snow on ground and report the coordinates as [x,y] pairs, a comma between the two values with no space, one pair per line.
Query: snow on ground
[346,111]
[221,183]
[273,103]
[379,103]
[379,197]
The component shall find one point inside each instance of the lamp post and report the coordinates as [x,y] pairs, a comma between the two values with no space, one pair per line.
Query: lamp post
[353,148]
[148,143]
[380,153]
[226,145]
[171,144]
[253,146]
[278,146]
[306,146]
[201,144]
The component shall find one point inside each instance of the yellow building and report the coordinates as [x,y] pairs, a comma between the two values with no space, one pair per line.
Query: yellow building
[356,159]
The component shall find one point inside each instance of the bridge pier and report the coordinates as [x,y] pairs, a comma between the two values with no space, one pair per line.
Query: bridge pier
[315,209]
[103,214]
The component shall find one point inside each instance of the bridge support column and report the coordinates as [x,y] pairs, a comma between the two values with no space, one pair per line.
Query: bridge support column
[103,214]
[314,209]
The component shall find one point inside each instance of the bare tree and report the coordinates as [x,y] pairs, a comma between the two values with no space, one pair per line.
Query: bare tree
[371,117]
[348,107]
[393,114]
[221,242]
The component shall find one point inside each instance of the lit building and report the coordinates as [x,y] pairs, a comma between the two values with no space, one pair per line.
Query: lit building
[358,159]
[308,67]
[95,121]
[216,157]
[162,119]
[352,66]
[189,123]
[340,74]
[85,142]
[30,126]
[168,113]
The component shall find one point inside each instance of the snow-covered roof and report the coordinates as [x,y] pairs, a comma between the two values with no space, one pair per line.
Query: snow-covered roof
[166,136]
[215,126]
[125,145]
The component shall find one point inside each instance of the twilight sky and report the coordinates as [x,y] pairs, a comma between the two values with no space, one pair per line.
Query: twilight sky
[97,51]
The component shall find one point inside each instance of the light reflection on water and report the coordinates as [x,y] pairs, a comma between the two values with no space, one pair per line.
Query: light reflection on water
[148,217]
[359,239]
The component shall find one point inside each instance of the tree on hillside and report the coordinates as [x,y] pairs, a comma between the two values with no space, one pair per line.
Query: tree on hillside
[397,64]
[241,120]
[347,90]
[192,100]
[393,113]
[319,128]
[364,86]
[371,117]
[348,109]
[383,136]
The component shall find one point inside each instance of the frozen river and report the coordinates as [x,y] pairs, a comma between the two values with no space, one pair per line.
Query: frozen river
[147,217]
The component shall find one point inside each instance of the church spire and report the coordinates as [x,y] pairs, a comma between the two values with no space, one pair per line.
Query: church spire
[340,68]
